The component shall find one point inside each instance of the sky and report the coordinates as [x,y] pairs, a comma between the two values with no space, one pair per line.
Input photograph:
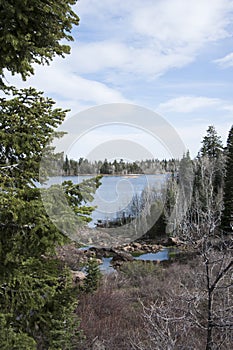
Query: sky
[172,57]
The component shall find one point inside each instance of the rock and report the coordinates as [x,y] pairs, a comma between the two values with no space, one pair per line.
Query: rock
[173,241]
[126,248]
[147,249]
[78,276]
[89,253]
[155,248]
[99,261]
[122,256]
[101,252]
[137,245]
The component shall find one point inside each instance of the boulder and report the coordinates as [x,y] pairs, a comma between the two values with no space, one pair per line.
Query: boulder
[173,241]
[155,248]
[99,261]
[126,248]
[137,245]
[122,256]
[78,276]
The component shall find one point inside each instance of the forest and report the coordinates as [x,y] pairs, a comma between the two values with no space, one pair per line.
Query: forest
[83,166]
[52,293]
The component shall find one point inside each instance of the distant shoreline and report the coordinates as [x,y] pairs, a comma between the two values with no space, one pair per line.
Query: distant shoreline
[113,175]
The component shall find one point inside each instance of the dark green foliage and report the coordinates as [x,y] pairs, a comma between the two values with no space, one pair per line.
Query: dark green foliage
[10,340]
[158,229]
[227,215]
[117,167]
[31,32]
[209,166]
[66,166]
[211,145]
[37,303]
[27,123]
[37,298]
[93,276]
[212,151]
[156,222]
[105,168]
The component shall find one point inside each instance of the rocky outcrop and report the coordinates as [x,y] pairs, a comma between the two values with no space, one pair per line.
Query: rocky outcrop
[141,248]
[120,257]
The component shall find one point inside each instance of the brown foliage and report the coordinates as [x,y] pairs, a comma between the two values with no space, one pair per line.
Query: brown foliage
[147,306]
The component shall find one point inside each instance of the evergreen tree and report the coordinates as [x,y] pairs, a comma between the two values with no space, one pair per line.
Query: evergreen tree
[105,168]
[37,297]
[31,32]
[66,166]
[206,201]
[227,215]
[211,153]
[93,276]
[211,145]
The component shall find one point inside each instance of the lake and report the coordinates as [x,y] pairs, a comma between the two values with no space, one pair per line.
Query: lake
[115,195]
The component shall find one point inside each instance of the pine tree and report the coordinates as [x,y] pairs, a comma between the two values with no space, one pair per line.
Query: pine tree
[210,155]
[211,145]
[206,202]
[227,215]
[105,168]
[66,166]
[93,276]
[31,32]
[36,298]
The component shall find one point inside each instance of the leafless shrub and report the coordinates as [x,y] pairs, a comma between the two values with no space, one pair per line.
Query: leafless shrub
[107,315]
[194,311]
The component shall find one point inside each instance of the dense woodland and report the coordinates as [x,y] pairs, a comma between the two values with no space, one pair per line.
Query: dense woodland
[118,167]
[183,304]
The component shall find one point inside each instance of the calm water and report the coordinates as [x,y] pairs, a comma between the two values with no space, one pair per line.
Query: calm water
[161,255]
[115,194]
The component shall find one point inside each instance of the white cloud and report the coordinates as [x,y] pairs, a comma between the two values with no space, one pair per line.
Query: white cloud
[226,61]
[96,56]
[122,59]
[187,104]
[175,23]
[150,37]
[69,89]
[120,41]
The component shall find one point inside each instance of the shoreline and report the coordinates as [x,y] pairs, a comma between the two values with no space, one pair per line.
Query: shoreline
[112,175]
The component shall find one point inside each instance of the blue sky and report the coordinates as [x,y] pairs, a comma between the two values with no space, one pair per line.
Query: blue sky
[174,57]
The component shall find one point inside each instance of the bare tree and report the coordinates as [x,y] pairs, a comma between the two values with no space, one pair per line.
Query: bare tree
[195,310]
[203,307]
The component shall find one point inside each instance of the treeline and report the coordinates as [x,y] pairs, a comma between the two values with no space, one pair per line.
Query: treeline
[118,167]
[198,200]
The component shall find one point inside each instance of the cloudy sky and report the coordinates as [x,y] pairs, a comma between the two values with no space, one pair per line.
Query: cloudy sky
[174,57]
